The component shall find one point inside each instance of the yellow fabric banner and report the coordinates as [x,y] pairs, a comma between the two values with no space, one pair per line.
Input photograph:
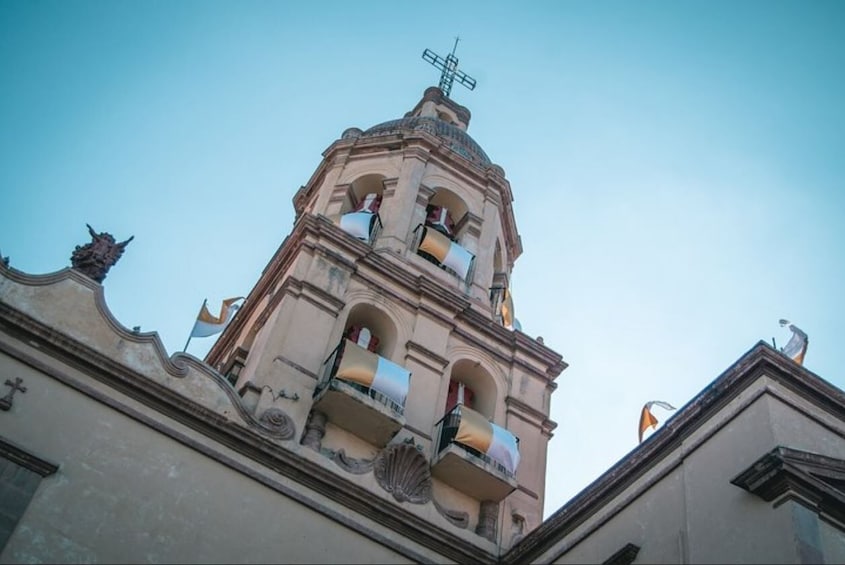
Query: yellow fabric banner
[474,430]
[357,364]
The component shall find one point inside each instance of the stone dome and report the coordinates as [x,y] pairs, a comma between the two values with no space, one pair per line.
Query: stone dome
[457,139]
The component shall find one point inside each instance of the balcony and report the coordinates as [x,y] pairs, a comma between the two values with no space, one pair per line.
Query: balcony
[475,456]
[441,250]
[363,393]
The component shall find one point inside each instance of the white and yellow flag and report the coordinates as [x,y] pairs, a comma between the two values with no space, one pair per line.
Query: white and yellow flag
[446,251]
[207,324]
[796,347]
[366,368]
[477,432]
[506,309]
[647,419]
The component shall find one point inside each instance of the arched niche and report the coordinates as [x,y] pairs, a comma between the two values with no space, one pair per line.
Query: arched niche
[454,220]
[379,325]
[356,195]
[478,380]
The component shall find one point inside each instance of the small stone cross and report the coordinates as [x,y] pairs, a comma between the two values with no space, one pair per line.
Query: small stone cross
[6,401]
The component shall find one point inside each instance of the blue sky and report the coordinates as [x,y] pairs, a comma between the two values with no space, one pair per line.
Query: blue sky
[677,167]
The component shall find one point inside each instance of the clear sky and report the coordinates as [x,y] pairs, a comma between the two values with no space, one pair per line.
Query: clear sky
[677,167]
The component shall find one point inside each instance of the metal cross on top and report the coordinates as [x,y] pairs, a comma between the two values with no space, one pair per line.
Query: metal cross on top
[449,69]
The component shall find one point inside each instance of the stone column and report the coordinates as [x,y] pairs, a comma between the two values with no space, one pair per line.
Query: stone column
[488,512]
[315,429]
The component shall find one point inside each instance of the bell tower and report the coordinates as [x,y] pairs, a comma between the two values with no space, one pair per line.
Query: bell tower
[383,329]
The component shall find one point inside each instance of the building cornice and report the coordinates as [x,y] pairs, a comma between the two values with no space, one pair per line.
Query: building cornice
[256,444]
[759,361]
[316,232]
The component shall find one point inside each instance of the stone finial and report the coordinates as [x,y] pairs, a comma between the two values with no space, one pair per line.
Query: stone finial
[96,258]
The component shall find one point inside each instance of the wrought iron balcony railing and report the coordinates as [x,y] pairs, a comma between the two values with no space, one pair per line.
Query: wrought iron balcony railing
[355,370]
[470,431]
[444,251]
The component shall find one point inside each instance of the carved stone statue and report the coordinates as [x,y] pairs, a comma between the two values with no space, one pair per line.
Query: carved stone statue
[96,258]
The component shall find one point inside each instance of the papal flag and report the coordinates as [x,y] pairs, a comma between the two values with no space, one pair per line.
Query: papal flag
[647,419]
[446,251]
[374,371]
[477,432]
[796,347]
[207,324]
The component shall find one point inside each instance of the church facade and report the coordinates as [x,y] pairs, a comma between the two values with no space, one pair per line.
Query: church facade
[374,401]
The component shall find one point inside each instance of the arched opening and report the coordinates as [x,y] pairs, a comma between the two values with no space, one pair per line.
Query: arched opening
[447,213]
[372,329]
[359,214]
[467,426]
[361,390]
[476,385]
[439,238]
[446,118]
[364,194]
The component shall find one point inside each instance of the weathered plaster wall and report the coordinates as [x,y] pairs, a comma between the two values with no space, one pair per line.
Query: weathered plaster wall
[685,509]
[125,492]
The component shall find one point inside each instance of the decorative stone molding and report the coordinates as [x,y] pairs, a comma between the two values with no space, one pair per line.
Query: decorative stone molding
[278,423]
[349,464]
[250,396]
[402,470]
[389,186]
[812,480]
[315,429]
[488,512]
[457,518]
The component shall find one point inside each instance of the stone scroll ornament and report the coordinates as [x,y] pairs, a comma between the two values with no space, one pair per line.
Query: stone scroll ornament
[96,258]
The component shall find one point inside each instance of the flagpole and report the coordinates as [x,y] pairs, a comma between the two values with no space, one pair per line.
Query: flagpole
[204,302]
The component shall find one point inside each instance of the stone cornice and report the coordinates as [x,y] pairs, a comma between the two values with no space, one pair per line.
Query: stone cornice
[528,413]
[513,342]
[808,478]
[759,361]
[426,357]
[310,231]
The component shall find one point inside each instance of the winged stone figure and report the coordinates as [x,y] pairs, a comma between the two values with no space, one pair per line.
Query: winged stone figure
[96,258]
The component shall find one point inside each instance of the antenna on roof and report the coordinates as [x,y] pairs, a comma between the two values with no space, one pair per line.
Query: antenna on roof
[449,69]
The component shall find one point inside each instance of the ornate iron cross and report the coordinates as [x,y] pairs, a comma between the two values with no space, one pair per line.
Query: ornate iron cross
[6,401]
[449,69]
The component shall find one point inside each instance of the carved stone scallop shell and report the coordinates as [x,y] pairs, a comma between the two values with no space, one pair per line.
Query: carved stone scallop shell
[403,471]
